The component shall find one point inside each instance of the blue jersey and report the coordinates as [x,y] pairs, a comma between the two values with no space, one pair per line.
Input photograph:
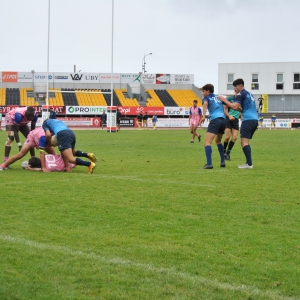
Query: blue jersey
[154,118]
[55,126]
[215,106]
[273,118]
[247,102]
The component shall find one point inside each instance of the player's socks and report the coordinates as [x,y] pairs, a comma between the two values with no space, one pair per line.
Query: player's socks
[5,159]
[225,146]
[247,152]
[221,151]
[80,162]
[79,153]
[231,144]
[208,152]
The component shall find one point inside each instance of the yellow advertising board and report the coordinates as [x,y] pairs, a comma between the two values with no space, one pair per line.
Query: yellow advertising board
[264,104]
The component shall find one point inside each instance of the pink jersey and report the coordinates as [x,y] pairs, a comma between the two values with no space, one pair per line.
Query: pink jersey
[17,116]
[36,138]
[55,163]
[195,113]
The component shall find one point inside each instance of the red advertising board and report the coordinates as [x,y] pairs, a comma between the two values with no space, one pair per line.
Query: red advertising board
[57,109]
[9,76]
[135,110]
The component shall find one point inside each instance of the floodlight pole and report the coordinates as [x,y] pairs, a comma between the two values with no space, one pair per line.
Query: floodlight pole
[144,62]
[112,60]
[47,84]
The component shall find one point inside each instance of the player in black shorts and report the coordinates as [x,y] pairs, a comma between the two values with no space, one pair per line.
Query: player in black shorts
[232,127]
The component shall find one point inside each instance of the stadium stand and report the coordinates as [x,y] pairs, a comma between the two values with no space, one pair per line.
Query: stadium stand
[184,97]
[69,98]
[2,96]
[25,100]
[154,100]
[57,100]
[125,101]
[116,101]
[85,99]
[165,98]
[12,96]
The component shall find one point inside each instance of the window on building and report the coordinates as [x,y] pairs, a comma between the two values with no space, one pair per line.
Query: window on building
[230,79]
[255,84]
[296,84]
[280,83]
[254,77]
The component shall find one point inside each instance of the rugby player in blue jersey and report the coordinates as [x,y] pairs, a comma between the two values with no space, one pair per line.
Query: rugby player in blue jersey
[66,141]
[217,124]
[246,103]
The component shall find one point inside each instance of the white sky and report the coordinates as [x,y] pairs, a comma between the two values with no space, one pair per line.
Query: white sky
[185,36]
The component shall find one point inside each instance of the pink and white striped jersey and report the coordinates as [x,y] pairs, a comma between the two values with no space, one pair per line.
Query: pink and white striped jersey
[36,138]
[195,113]
[55,163]
[17,116]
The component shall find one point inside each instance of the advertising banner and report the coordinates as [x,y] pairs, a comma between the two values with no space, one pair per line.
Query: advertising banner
[25,77]
[42,77]
[85,110]
[173,123]
[135,110]
[91,78]
[106,78]
[9,76]
[162,79]
[76,121]
[127,122]
[182,78]
[265,103]
[148,78]
[176,111]
[61,77]
[57,109]
[130,78]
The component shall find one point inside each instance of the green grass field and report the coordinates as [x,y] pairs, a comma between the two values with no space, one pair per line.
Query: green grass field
[151,224]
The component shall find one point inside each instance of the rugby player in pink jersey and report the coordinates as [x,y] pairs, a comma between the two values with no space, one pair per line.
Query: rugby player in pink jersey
[16,120]
[52,162]
[194,120]
[35,139]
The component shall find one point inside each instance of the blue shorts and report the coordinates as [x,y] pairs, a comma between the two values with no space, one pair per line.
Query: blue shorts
[248,128]
[217,126]
[66,139]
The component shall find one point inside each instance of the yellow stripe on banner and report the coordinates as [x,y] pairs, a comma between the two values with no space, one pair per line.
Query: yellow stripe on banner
[265,106]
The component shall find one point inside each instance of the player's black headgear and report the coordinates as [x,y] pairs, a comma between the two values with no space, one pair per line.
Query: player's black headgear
[30,112]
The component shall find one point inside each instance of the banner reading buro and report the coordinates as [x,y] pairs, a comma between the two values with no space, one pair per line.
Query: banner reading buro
[176,111]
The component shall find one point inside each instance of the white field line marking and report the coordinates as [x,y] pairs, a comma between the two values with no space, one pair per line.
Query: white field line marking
[134,178]
[148,267]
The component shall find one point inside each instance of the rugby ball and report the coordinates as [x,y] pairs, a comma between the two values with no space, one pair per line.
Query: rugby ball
[24,164]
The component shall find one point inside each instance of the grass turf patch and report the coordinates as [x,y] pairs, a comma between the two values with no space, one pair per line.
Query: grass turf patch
[150,223]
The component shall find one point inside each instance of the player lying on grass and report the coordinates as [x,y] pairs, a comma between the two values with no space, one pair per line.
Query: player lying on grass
[52,162]
[35,139]
[66,141]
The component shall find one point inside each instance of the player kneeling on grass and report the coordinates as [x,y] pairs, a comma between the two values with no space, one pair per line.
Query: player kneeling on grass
[66,141]
[35,139]
[52,162]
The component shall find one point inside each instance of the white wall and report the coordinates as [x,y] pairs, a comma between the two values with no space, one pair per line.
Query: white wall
[267,76]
